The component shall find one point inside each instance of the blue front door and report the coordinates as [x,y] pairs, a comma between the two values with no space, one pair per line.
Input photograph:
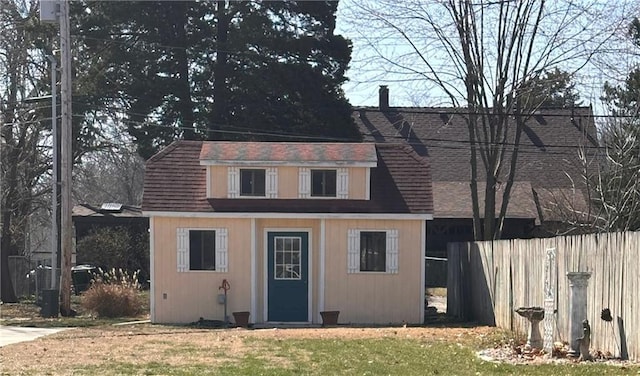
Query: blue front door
[288,266]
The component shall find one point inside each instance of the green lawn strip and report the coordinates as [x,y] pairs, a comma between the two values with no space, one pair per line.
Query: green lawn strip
[382,356]
[397,357]
[153,368]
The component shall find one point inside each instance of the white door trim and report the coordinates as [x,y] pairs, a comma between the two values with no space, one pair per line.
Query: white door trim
[254,271]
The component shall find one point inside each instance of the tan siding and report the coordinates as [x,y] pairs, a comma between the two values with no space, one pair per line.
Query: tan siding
[358,183]
[374,297]
[361,298]
[191,295]
[219,181]
[288,182]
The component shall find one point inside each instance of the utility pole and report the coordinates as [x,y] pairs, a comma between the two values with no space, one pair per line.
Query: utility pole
[55,243]
[66,158]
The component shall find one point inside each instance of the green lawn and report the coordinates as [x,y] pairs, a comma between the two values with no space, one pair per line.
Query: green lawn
[100,348]
[385,356]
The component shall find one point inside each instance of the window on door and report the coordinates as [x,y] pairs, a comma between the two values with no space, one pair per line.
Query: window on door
[252,182]
[323,183]
[287,257]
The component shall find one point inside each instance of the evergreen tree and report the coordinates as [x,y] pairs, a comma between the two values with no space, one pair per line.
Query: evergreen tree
[551,89]
[258,70]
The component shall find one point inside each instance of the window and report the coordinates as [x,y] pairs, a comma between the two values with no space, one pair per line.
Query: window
[373,251]
[202,249]
[287,257]
[323,183]
[252,182]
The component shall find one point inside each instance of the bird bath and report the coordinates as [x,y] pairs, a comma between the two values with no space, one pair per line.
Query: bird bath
[534,315]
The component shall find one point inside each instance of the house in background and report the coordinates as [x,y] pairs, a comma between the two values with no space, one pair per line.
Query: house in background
[294,228]
[107,228]
[549,170]
[87,218]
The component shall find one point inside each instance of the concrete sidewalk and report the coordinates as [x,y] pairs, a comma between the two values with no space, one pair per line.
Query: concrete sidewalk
[15,334]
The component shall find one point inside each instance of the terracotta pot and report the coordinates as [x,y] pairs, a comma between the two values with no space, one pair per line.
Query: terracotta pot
[241,318]
[329,317]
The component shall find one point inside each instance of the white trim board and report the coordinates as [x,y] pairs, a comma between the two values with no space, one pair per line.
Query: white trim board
[321,268]
[152,273]
[380,216]
[423,253]
[254,270]
[314,164]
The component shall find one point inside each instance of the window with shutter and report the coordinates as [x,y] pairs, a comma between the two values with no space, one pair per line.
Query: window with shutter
[202,249]
[372,251]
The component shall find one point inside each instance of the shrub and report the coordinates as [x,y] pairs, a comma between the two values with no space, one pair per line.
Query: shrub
[114,293]
[116,247]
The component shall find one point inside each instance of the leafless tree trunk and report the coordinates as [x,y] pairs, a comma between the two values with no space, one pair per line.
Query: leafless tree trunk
[480,55]
[25,159]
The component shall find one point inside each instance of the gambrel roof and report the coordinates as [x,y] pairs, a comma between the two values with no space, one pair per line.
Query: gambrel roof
[175,181]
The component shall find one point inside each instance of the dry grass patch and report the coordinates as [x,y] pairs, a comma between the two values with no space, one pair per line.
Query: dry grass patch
[98,348]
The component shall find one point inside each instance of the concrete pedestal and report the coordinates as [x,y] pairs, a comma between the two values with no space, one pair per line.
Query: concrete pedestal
[578,282]
[534,339]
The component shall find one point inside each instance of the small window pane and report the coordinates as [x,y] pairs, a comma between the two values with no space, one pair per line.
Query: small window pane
[323,183]
[373,251]
[252,182]
[202,250]
[287,254]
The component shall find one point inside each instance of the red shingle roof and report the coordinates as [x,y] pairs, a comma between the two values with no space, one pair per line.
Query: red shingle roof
[235,152]
[175,181]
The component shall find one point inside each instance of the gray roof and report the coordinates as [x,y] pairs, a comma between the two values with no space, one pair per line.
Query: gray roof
[548,162]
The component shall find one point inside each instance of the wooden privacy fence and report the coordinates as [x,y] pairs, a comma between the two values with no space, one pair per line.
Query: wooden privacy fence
[487,281]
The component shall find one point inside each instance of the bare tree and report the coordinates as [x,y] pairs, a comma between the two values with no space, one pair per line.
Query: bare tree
[113,174]
[617,185]
[25,129]
[480,55]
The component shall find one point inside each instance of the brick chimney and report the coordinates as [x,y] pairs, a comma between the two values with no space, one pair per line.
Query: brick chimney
[383,98]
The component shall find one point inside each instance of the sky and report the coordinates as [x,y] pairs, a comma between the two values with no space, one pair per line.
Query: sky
[366,72]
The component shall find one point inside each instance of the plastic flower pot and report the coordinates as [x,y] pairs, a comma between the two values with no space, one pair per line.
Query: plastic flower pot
[329,318]
[241,318]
